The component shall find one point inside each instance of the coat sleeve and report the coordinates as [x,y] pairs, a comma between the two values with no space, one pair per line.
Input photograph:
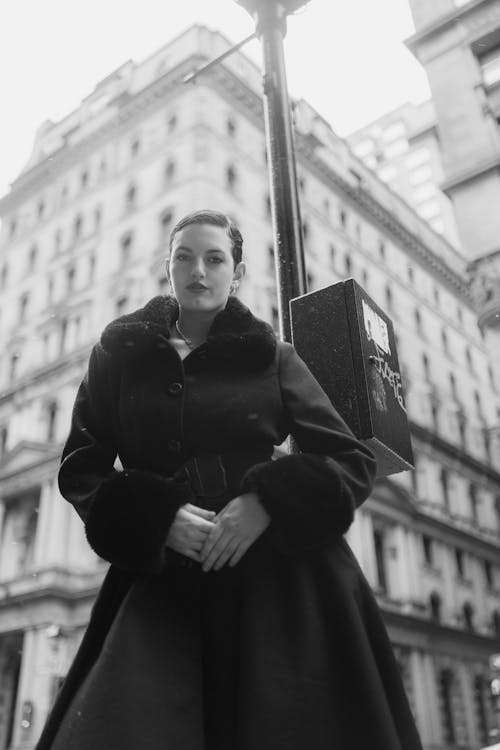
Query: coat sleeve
[311,496]
[127,514]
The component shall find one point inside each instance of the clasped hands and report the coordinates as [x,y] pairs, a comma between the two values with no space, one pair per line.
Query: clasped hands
[216,539]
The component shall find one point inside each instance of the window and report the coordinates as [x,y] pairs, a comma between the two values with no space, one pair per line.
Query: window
[326,206]
[23,307]
[305,230]
[310,281]
[492,377]
[435,607]
[57,241]
[231,177]
[275,322]
[446,699]
[40,210]
[379,543]
[479,406]
[490,66]
[428,548]
[4,275]
[411,274]
[444,341]
[121,305]
[495,623]
[453,386]
[480,699]
[268,205]
[445,488]
[469,360]
[418,321]
[170,170]
[388,298]
[381,249]
[3,440]
[63,335]
[230,127]
[270,256]
[70,279]
[84,179]
[459,563]
[13,366]
[172,123]
[331,252]
[97,218]
[435,293]
[425,366]
[348,265]
[343,218]
[474,504]
[91,268]
[488,573]
[126,248]
[364,278]
[166,218]
[135,147]
[130,198]
[77,227]
[468,616]
[12,228]
[51,420]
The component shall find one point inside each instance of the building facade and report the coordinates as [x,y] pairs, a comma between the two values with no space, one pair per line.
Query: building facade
[458,43]
[403,148]
[84,238]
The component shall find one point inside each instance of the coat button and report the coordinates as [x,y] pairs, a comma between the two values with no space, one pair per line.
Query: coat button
[175,389]
[174,446]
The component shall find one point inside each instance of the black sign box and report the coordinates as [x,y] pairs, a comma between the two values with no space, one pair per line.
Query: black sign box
[348,343]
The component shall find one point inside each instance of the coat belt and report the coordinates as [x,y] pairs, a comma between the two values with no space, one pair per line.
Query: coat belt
[212,474]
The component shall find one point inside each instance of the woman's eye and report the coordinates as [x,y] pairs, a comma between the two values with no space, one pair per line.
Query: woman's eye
[216,260]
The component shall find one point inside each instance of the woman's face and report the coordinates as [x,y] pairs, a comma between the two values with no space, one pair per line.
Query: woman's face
[201,267]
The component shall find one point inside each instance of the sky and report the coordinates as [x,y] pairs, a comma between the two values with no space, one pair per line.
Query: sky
[346,57]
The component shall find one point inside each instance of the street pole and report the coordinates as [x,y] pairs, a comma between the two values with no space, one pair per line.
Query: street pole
[270,17]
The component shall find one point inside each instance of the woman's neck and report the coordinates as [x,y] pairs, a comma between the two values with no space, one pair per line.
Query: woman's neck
[195,324]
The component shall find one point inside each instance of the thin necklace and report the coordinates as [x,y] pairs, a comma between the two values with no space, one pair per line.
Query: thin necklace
[187,341]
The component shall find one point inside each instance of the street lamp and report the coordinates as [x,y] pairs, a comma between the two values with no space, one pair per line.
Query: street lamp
[270,17]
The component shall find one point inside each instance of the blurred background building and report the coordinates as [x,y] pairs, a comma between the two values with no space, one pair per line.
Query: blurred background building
[84,239]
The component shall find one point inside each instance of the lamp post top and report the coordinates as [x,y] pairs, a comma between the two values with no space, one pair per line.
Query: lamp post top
[288,6]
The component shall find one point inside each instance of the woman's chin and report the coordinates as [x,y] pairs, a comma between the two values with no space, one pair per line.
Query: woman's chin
[203,302]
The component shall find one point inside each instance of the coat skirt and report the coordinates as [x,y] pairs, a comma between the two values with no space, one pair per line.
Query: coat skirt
[285,651]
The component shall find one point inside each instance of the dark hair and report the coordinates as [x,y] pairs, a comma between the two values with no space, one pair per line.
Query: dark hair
[216,219]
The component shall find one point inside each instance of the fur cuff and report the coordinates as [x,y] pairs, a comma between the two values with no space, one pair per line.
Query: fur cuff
[130,516]
[306,498]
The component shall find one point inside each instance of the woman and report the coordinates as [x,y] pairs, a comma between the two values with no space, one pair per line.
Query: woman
[234,615]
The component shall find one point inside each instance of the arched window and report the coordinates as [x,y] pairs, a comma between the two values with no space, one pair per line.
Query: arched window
[453,385]
[13,366]
[381,249]
[64,332]
[435,607]
[23,307]
[70,279]
[230,127]
[425,365]
[418,320]
[444,341]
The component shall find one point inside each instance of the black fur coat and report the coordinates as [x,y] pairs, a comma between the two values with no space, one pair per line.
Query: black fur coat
[285,651]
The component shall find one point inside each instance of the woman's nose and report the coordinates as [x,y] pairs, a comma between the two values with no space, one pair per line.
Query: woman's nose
[198,269]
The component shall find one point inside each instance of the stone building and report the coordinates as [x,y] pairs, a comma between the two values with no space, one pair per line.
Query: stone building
[84,239]
[458,43]
[403,148]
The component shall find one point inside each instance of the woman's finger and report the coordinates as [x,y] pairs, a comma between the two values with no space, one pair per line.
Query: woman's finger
[226,554]
[238,554]
[209,515]
[211,540]
[216,551]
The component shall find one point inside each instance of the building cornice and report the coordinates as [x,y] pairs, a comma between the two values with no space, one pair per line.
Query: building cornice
[129,108]
[442,24]
[454,452]
[473,172]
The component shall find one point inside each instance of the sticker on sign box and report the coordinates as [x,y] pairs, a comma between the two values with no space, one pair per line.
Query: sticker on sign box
[376,328]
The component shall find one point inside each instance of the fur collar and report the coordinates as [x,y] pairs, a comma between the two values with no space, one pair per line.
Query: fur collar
[236,336]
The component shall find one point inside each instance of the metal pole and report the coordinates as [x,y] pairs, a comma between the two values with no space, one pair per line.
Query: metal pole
[289,253]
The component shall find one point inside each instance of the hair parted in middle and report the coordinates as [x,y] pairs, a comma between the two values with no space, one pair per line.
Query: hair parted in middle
[216,219]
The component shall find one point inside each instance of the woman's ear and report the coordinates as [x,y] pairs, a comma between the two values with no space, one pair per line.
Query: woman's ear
[239,271]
